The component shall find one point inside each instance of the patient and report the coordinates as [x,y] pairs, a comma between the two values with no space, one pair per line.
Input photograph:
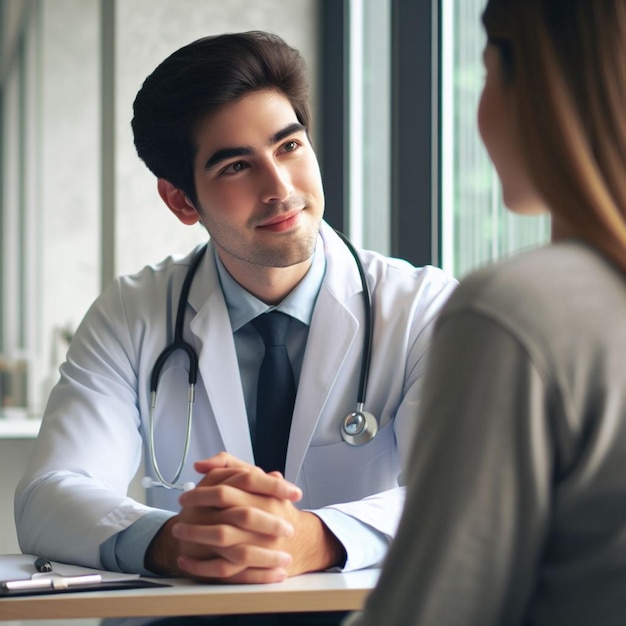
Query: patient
[516,505]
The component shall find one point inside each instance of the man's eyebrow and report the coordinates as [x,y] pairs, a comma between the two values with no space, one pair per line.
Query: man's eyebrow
[224,154]
[228,153]
[296,127]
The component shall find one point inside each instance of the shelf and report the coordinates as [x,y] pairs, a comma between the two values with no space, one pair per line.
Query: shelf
[19,428]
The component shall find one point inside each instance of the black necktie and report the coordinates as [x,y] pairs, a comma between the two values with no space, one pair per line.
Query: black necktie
[276,393]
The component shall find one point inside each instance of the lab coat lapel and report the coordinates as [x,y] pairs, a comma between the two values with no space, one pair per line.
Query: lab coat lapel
[217,361]
[333,330]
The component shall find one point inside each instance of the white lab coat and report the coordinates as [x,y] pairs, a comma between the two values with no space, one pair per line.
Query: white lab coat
[73,495]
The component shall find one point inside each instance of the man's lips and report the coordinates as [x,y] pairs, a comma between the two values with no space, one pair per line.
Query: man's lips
[281,222]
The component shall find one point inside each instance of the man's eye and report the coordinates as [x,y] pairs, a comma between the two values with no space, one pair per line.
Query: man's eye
[234,168]
[290,146]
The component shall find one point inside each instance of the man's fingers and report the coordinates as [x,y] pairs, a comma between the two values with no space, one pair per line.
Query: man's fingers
[244,563]
[253,480]
[238,526]
[221,459]
[219,496]
[225,467]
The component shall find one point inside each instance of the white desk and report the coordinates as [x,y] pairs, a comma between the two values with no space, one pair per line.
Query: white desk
[308,592]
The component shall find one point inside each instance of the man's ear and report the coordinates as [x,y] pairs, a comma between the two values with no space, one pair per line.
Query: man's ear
[177,202]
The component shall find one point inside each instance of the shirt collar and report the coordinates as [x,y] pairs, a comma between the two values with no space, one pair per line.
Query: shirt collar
[244,307]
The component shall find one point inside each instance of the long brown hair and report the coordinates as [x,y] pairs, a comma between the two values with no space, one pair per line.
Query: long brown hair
[565,61]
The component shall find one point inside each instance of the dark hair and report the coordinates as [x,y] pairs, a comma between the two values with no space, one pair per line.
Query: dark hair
[198,78]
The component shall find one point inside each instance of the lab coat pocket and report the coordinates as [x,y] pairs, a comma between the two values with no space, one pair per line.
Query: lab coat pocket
[340,472]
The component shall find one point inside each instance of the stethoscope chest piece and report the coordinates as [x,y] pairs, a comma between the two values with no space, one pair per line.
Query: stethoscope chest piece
[359,427]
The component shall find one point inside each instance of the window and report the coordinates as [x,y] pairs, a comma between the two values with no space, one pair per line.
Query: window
[370,124]
[19,194]
[354,121]
[476,228]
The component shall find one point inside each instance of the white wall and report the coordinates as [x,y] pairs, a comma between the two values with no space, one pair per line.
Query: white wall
[69,263]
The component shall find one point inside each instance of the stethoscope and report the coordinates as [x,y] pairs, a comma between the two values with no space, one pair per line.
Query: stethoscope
[357,428]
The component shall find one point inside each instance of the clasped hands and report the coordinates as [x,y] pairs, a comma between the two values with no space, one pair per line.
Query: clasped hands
[240,525]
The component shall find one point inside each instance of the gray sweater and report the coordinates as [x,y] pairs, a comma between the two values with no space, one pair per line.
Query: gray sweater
[516,505]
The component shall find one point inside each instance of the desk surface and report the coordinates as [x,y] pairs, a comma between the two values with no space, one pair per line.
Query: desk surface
[309,592]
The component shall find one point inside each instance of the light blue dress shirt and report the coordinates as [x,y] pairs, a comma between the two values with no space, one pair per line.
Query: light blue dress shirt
[243,307]
[126,550]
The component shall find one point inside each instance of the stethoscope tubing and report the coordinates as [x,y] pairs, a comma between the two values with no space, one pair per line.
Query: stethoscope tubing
[369,327]
[177,344]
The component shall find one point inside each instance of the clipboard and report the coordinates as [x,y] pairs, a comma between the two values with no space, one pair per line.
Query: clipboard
[18,577]
[102,585]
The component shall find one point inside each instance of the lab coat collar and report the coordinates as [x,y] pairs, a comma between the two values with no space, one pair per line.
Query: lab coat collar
[342,276]
[217,359]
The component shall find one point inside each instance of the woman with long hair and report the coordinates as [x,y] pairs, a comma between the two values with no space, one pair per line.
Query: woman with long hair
[516,496]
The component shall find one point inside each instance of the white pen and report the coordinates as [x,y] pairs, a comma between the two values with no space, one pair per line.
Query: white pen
[60,582]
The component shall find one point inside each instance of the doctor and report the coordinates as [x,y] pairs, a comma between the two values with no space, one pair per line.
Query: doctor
[224,124]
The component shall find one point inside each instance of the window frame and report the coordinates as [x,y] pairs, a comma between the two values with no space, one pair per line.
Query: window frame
[415,56]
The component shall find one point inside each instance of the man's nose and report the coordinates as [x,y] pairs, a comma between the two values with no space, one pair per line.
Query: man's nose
[277,185]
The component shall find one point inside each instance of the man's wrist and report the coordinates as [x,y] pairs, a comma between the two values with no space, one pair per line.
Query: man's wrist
[336,550]
[317,547]
[162,552]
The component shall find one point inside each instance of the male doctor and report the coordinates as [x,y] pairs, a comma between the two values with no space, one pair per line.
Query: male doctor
[224,123]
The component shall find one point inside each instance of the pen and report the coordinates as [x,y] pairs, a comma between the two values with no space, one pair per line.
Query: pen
[52,583]
[43,565]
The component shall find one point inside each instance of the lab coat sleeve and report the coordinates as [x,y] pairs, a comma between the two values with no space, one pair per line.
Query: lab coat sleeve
[73,494]
[364,545]
[478,487]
